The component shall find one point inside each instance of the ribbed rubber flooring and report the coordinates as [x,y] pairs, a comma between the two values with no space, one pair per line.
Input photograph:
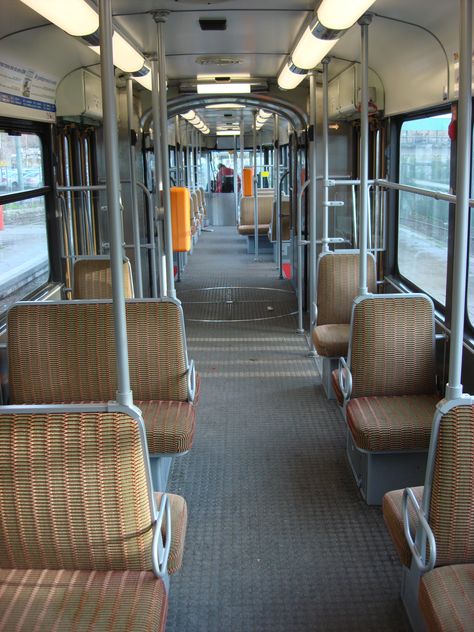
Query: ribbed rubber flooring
[278,537]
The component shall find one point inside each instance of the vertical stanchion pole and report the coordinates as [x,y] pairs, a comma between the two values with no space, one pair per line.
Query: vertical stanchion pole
[160,18]
[236,188]
[300,246]
[313,201]
[158,179]
[124,393]
[461,230]
[242,149]
[325,157]
[255,184]
[133,190]
[276,187]
[364,22]
[178,150]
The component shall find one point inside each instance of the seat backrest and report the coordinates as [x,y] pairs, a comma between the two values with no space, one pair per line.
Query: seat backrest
[194,204]
[451,513]
[265,208]
[338,285]
[93,278]
[391,348]
[75,492]
[65,351]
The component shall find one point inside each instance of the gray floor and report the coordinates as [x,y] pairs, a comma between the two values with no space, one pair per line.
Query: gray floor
[278,537]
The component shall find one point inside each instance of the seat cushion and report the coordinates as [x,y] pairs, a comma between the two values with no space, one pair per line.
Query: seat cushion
[123,601]
[169,425]
[381,424]
[336,387]
[331,341]
[179,523]
[446,598]
[248,229]
[393,516]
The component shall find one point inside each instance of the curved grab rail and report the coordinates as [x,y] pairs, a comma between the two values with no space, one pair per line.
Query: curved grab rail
[423,566]
[160,553]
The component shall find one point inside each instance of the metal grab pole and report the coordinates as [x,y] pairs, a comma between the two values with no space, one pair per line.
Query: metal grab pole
[313,199]
[325,157]
[158,170]
[151,230]
[177,138]
[461,231]
[364,153]
[160,18]
[276,181]
[236,192]
[255,183]
[280,233]
[300,245]
[124,393]
[133,190]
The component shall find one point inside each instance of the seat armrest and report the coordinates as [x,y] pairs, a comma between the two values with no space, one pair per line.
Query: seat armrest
[423,531]
[191,381]
[160,552]
[345,379]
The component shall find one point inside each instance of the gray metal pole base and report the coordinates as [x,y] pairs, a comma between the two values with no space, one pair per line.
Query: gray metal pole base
[300,331]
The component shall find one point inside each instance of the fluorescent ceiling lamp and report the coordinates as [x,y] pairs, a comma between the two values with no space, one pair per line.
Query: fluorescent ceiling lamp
[341,14]
[75,17]
[125,56]
[234,76]
[224,106]
[223,88]
[264,115]
[189,115]
[228,133]
[288,79]
[310,50]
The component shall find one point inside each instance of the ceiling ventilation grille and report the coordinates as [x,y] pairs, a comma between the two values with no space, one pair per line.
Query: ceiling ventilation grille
[217,60]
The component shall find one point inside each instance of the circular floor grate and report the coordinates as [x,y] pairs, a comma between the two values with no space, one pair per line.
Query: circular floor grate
[237,304]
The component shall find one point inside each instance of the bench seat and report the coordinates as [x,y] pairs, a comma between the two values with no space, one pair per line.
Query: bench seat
[38,599]
[380,424]
[446,598]
[331,341]
[393,517]
[170,426]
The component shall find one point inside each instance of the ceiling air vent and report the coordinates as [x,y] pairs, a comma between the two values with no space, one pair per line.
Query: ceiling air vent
[212,24]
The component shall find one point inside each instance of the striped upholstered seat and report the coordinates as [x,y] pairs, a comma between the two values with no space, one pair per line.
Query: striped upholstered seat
[391,423]
[446,598]
[77,523]
[65,352]
[265,209]
[392,359]
[93,278]
[337,287]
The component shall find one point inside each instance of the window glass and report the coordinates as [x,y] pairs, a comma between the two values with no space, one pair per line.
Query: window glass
[24,263]
[21,162]
[470,285]
[423,222]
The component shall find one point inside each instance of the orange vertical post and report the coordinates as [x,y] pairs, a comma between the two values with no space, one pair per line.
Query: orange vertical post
[247,181]
[181,218]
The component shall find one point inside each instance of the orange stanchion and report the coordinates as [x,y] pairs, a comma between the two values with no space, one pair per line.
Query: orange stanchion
[181,218]
[247,181]
[2,223]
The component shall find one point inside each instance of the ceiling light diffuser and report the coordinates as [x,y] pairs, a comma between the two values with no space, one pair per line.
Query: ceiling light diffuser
[75,17]
[310,50]
[223,88]
[339,15]
[291,76]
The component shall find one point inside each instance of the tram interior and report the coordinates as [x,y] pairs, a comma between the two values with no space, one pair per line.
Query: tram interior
[236,316]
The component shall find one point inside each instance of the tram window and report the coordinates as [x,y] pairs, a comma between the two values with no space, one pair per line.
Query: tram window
[21,162]
[423,222]
[470,285]
[24,263]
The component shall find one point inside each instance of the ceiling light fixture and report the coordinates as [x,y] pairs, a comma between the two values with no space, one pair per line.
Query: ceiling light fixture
[291,76]
[224,106]
[75,17]
[223,88]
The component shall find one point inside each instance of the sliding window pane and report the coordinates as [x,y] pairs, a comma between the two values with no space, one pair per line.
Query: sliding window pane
[423,222]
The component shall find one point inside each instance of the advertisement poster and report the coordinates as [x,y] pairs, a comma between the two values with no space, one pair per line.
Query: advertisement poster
[26,88]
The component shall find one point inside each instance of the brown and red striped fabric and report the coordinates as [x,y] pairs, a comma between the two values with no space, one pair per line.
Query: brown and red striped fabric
[93,279]
[446,598]
[338,285]
[336,388]
[65,352]
[393,516]
[75,601]
[331,341]
[170,426]
[452,502]
[381,424]
[392,347]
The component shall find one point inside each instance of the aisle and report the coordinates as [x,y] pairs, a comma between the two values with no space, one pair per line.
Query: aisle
[278,538]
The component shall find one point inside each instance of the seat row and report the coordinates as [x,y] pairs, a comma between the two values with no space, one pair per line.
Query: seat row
[267,219]
[399,434]
[89,535]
